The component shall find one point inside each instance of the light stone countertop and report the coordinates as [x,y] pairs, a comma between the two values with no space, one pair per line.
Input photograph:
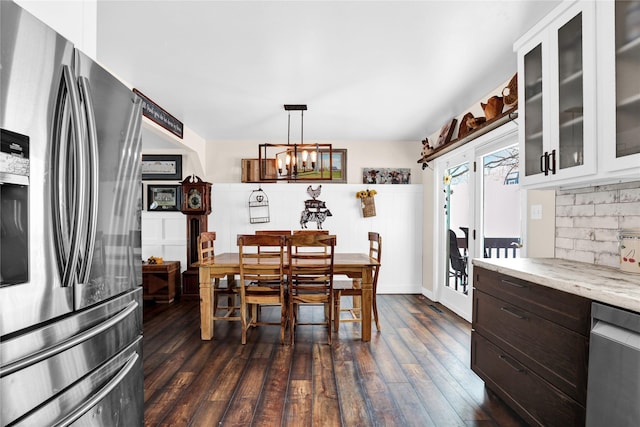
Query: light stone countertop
[598,283]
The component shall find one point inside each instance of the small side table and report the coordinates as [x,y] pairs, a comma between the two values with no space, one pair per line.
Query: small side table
[159,281]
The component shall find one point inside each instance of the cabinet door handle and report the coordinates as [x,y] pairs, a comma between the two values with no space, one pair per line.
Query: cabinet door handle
[511,364]
[543,163]
[517,285]
[514,314]
[551,163]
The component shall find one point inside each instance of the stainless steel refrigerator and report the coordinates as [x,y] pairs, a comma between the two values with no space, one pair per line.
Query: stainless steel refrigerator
[70,259]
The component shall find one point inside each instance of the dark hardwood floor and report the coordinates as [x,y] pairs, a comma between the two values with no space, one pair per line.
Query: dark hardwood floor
[414,372]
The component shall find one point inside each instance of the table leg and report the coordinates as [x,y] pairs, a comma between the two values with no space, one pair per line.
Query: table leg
[206,304]
[367,298]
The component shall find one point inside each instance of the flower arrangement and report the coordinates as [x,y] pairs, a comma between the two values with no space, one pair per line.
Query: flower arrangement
[366,193]
[367,202]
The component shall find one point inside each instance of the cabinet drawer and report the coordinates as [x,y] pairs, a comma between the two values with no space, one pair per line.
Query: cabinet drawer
[571,311]
[553,352]
[537,401]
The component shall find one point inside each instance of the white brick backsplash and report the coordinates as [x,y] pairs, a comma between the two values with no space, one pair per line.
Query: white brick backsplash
[564,221]
[596,222]
[597,198]
[624,186]
[564,200]
[618,209]
[631,221]
[610,247]
[602,235]
[582,210]
[580,256]
[608,259]
[575,233]
[588,220]
[564,243]
[630,195]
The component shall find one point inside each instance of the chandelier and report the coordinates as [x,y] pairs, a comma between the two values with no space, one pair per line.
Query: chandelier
[295,162]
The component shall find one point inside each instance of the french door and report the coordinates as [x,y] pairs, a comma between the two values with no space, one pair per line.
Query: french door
[455,220]
[478,214]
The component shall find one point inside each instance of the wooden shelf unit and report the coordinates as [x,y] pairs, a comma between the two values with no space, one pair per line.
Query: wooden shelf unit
[506,116]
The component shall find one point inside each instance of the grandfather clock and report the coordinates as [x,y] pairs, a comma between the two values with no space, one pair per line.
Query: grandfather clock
[196,205]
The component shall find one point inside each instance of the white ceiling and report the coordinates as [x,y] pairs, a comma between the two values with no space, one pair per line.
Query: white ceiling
[368,71]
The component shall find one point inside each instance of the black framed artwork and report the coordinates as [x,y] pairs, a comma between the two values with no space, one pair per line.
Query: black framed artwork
[162,198]
[161,167]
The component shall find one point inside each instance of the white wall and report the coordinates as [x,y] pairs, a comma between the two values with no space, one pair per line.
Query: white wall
[223,161]
[75,20]
[398,219]
[164,235]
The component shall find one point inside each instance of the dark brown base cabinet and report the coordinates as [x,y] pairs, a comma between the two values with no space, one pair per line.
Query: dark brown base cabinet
[530,345]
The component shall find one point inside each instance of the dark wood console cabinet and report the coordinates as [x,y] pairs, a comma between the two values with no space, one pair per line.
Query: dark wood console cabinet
[530,345]
[160,281]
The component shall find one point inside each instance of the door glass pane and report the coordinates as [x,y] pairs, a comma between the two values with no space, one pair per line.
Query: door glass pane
[627,80]
[570,83]
[458,218]
[501,204]
[533,110]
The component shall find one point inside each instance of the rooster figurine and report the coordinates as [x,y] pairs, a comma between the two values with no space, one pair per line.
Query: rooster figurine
[314,193]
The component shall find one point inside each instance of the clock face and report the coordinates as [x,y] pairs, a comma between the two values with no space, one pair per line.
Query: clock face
[194,199]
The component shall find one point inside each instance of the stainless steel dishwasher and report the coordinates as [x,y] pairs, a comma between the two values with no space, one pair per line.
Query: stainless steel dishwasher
[613,388]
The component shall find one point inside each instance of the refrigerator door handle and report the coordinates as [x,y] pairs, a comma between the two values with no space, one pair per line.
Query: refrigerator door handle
[100,394]
[67,218]
[64,345]
[92,165]
[135,166]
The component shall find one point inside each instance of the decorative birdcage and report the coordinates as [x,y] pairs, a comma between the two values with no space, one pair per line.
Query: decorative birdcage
[258,207]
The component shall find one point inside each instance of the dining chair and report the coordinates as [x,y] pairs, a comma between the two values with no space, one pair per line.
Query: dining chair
[206,253]
[457,262]
[312,233]
[274,233]
[353,288]
[310,277]
[325,232]
[262,272]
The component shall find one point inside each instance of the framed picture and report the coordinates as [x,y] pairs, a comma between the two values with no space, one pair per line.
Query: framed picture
[337,164]
[386,175]
[446,133]
[163,198]
[161,167]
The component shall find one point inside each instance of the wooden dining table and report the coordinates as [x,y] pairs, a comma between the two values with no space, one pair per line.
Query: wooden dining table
[353,265]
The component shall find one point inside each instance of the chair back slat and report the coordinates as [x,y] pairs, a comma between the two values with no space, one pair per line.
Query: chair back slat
[274,232]
[206,250]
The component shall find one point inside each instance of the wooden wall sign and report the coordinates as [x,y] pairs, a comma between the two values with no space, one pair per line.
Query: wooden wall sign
[159,115]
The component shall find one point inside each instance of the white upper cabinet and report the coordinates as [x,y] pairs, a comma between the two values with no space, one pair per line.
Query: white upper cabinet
[557,92]
[618,29]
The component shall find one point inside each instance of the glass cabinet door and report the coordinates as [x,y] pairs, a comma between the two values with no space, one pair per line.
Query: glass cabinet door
[533,141]
[627,63]
[570,91]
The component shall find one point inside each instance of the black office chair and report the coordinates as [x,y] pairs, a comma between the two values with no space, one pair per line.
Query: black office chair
[458,263]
